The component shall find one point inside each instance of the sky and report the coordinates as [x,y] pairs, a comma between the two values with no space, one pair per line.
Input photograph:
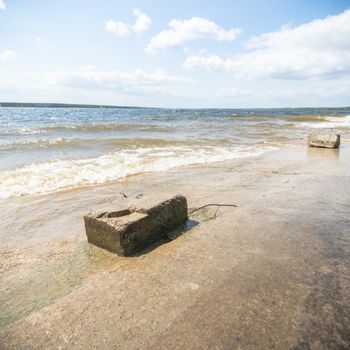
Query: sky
[178,54]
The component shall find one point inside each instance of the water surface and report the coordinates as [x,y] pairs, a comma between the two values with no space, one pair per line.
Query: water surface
[49,149]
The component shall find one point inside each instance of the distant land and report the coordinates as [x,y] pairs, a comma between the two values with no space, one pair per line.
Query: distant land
[343,109]
[59,105]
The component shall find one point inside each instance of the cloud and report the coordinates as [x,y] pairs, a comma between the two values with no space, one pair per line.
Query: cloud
[2,5]
[210,62]
[7,55]
[330,33]
[317,49]
[186,30]
[142,23]
[96,79]
[121,29]
[91,85]
[32,86]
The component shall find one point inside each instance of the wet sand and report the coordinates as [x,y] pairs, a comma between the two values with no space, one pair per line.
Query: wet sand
[271,273]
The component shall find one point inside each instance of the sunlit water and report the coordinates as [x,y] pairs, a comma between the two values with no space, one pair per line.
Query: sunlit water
[49,149]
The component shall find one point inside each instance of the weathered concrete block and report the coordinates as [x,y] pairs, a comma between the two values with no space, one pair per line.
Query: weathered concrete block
[325,141]
[126,231]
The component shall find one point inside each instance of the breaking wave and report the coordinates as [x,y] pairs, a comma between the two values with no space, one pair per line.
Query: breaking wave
[59,141]
[50,176]
[328,123]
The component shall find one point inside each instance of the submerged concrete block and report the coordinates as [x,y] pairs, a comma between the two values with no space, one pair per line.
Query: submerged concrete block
[324,141]
[126,231]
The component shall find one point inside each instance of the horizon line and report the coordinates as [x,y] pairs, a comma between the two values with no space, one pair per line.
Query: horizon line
[85,105]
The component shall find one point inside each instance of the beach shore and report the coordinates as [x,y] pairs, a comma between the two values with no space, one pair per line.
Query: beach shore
[271,273]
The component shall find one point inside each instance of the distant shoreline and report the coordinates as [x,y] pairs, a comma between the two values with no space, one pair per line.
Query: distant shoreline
[78,105]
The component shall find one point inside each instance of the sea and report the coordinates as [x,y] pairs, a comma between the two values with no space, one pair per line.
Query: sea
[45,150]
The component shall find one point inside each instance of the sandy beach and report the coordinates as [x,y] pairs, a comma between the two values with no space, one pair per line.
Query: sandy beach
[272,273]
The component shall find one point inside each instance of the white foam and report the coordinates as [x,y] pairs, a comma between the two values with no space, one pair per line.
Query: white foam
[330,123]
[40,142]
[44,177]
[30,131]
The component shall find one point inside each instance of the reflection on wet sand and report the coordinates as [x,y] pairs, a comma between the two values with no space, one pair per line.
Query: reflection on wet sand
[324,153]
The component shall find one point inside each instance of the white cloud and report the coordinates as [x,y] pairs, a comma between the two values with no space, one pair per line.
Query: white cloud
[91,85]
[2,5]
[7,55]
[330,33]
[142,23]
[209,62]
[137,81]
[121,29]
[137,89]
[320,48]
[186,30]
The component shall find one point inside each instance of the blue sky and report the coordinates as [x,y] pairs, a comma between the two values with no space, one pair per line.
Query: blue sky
[176,54]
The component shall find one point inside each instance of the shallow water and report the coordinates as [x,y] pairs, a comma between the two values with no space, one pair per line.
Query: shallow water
[49,149]
[35,287]
[24,295]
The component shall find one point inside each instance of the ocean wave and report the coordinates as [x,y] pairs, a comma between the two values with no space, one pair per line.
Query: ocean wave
[138,142]
[307,118]
[51,176]
[120,143]
[107,127]
[42,143]
[329,123]
[27,131]
[49,129]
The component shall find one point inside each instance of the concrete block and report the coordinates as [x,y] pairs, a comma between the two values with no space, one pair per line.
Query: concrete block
[126,231]
[324,141]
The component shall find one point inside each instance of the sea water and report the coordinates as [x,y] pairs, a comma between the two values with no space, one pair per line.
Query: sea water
[50,149]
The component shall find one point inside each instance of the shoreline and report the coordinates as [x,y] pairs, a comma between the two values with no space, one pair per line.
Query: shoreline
[271,272]
[82,105]
[58,183]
